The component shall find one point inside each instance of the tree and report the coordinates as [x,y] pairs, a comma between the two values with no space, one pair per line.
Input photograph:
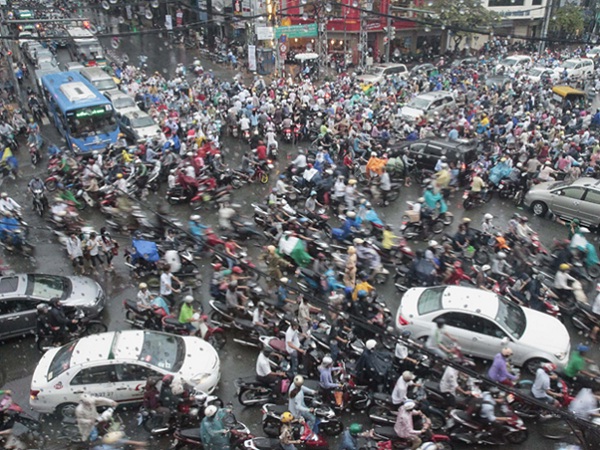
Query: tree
[463,17]
[568,21]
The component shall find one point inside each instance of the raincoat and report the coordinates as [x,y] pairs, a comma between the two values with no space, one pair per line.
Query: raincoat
[211,432]
[432,200]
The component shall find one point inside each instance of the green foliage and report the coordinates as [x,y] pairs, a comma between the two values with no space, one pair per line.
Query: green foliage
[464,16]
[568,20]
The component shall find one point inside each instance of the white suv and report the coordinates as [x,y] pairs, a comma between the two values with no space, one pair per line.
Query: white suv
[576,68]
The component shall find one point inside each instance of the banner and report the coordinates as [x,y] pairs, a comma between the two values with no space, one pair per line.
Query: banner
[252,58]
[265,33]
[168,22]
[297,31]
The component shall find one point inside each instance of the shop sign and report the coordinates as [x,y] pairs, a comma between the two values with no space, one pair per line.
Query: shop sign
[297,31]
[265,33]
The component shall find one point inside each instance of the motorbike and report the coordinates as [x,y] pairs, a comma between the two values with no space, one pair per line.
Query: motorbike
[215,336]
[288,135]
[190,437]
[25,429]
[83,326]
[466,428]
[39,201]
[387,433]
[328,422]
[34,154]
[190,411]
[528,410]
[252,392]
[143,318]
[179,194]
[302,432]
[471,200]
[584,319]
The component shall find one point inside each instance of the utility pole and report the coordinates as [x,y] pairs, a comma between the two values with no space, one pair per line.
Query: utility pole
[8,50]
[545,26]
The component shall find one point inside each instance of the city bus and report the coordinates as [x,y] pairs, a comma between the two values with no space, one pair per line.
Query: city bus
[80,112]
[85,47]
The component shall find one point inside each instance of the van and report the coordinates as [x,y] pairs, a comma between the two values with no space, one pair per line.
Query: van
[379,72]
[576,68]
[427,152]
[427,103]
[98,78]
[514,63]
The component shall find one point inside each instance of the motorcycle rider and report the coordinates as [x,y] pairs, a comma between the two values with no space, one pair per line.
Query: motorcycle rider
[487,226]
[477,186]
[498,371]
[264,373]
[286,435]
[87,414]
[296,403]
[213,432]
[8,205]
[449,386]
[435,342]
[404,427]
[487,411]
[500,266]
[58,320]
[399,394]
[326,382]
[188,316]
[37,185]
[540,389]
[575,370]
[292,344]
[349,439]
[561,282]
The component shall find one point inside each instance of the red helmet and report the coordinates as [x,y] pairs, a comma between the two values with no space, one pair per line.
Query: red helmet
[457,264]
[237,269]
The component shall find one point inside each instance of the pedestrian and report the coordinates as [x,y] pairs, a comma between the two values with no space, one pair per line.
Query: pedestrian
[75,252]
[110,248]
[93,250]
[166,285]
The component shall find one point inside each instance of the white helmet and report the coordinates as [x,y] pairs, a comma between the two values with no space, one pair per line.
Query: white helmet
[327,360]
[298,380]
[501,255]
[188,299]
[195,218]
[409,405]
[370,344]
[488,216]
[210,411]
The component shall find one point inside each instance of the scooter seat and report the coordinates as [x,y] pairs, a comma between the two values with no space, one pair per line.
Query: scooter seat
[263,443]
[132,304]
[432,386]
[382,397]
[244,323]
[191,434]
[172,322]
[278,409]
[312,384]
[278,345]
[387,432]
[464,418]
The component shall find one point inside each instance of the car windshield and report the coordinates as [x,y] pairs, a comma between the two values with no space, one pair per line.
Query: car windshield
[375,70]
[430,300]
[105,85]
[536,72]
[162,350]
[92,120]
[419,103]
[594,51]
[9,284]
[569,64]
[511,317]
[509,62]
[123,102]
[46,286]
[142,122]
[61,361]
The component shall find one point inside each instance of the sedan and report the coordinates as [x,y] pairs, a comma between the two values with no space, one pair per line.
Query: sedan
[541,74]
[483,322]
[138,125]
[568,200]
[21,293]
[116,365]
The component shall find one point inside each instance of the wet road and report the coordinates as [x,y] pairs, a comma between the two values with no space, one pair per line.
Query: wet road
[20,356]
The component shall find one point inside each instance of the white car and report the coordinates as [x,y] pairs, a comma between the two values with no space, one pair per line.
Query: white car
[138,125]
[116,365]
[576,68]
[427,103]
[379,72]
[593,52]
[514,63]
[482,322]
[537,74]
[122,103]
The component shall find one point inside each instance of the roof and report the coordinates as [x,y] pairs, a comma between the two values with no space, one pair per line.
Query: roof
[517,57]
[94,72]
[80,33]
[470,299]
[136,114]
[125,344]
[55,81]
[436,94]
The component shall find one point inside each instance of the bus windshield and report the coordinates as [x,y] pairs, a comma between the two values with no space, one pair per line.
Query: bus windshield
[94,120]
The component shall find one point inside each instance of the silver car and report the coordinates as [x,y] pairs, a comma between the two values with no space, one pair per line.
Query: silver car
[21,293]
[578,199]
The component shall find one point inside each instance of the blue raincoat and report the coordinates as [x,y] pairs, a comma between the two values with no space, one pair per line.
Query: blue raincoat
[211,432]
[432,200]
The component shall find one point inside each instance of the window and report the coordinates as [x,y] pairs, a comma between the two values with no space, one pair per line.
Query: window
[592,197]
[536,2]
[490,328]
[418,148]
[61,361]
[430,300]
[495,3]
[435,150]
[164,351]
[461,320]
[511,317]
[42,286]
[8,306]
[134,372]
[572,192]
[95,375]
[8,284]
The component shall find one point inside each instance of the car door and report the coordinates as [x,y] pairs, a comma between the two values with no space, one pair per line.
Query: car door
[461,326]
[487,338]
[589,208]
[17,317]
[417,152]
[566,201]
[432,155]
[131,380]
[98,380]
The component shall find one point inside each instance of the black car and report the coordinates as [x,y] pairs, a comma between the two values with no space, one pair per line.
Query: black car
[427,152]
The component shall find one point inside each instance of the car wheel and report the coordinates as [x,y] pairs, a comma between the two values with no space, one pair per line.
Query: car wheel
[66,410]
[539,208]
[533,364]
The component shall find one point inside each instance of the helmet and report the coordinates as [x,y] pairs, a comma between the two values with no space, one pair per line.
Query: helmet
[298,380]
[143,286]
[188,299]
[195,218]
[581,348]
[485,267]
[313,193]
[488,216]
[405,334]
[432,243]
[549,367]
[42,307]
[237,269]
[506,351]
[457,264]
[370,344]
[409,405]
[167,379]
[362,293]
[327,360]
[355,428]
[210,411]
[421,200]
[407,375]
[119,176]
[501,255]
[429,446]
[287,417]
[4,195]
[564,266]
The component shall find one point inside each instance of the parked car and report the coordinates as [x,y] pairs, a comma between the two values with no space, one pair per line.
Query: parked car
[379,72]
[425,69]
[576,68]
[427,152]
[483,322]
[137,125]
[21,293]
[514,63]
[537,74]
[116,365]
[428,103]
[464,62]
[578,199]
[498,81]
[122,103]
